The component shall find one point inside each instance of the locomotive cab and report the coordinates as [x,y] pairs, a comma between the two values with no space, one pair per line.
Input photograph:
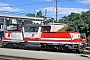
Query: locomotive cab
[37,28]
[32,33]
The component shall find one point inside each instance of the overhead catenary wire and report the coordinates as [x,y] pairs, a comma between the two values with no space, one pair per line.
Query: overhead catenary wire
[30,4]
[37,3]
[26,4]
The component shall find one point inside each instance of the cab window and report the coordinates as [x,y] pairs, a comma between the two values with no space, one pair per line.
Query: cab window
[33,29]
[13,27]
[45,28]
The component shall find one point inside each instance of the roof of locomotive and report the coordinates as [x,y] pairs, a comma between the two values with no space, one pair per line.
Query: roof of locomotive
[35,25]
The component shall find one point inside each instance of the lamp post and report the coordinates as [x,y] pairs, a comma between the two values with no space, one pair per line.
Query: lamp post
[35,14]
[56,10]
[53,15]
[4,25]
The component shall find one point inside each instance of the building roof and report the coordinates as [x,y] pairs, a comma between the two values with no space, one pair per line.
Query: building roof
[21,17]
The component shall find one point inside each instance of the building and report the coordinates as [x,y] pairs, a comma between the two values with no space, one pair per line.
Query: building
[11,19]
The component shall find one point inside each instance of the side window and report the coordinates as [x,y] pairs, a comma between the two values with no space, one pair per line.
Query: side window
[45,28]
[33,29]
[36,29]
[12,27]
[26,29]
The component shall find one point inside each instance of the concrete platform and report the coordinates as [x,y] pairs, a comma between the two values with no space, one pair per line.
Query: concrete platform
[43,54]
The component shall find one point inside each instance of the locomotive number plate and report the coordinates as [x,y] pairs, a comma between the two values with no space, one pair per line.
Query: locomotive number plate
[55,43]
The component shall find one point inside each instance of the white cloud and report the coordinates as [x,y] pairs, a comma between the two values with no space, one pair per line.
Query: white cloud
[69,10]
[85,1]
[6,7]
[3,4]
[64,10]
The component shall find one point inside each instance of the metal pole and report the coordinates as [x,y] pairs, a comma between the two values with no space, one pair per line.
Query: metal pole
[35,15]
[53,14]
[56,10]
[4,26]
[23,29]
[45,14]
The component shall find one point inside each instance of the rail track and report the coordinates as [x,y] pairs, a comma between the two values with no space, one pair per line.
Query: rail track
[5,57]
[11,57]
[48,50]
[8,57]
[18,54]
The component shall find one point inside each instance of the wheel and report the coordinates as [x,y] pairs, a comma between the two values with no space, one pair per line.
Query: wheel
[66,49]
[3,45]
[79,51]
[43,46]
[25,46]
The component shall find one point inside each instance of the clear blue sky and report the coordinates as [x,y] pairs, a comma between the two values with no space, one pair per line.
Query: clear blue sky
[65,7]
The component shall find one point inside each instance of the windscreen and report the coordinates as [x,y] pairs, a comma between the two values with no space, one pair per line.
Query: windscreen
[12,27]
[31,29]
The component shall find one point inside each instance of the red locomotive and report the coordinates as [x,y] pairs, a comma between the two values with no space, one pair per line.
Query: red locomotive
[42,36]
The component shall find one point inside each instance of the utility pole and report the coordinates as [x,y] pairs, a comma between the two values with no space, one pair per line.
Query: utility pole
[53,16]
[35,15]
[56,10]
[4,25]
[45,14]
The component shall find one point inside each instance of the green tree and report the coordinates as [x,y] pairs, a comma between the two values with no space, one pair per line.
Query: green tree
[78,22]
[30,14]
[64,19]
[75,22]
[86,18]
[60,21]
[38,14]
